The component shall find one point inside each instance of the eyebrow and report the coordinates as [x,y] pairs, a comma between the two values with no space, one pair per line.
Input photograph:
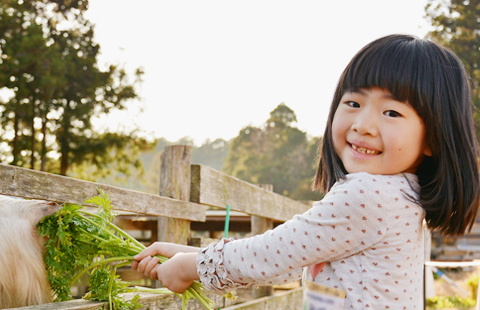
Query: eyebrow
[363,93]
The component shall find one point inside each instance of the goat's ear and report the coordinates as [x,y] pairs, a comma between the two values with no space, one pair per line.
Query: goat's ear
[45,208]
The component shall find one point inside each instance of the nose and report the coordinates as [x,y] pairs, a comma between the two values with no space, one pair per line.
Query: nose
[365,123]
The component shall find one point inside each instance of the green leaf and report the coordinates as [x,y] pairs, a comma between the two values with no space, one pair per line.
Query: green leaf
[79,242]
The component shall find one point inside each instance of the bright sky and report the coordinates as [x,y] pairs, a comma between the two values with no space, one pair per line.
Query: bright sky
[214,67]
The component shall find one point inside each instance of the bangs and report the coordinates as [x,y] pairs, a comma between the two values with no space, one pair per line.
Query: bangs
[399,67]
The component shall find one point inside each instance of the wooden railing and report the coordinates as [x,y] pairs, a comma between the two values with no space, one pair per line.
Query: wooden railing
[186,192]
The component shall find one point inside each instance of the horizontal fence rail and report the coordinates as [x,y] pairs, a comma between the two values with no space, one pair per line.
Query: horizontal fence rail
[31,184]
[218,189]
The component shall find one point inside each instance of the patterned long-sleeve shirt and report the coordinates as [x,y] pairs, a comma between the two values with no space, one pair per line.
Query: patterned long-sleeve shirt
[367,230]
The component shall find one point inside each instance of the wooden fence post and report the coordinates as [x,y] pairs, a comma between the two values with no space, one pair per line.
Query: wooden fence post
[428,283]
[175,177]
[259,226]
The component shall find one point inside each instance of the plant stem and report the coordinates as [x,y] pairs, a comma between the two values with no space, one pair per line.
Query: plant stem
[92,235]
[103,261]
[138,247]
[95,224]
[199,298]
[184,300]
[110,286]
[115,227]
[163,290]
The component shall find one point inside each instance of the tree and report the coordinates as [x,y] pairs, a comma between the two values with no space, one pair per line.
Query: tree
[26,68]
[276,153]
[49,62]
[456,25]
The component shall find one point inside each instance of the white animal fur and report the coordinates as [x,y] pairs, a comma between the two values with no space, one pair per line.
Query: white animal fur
[23,278]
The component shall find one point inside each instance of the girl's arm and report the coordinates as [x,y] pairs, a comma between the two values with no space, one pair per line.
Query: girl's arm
[178,273]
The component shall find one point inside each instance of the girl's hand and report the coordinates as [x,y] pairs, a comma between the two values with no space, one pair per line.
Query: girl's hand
[164,249]
[178,273]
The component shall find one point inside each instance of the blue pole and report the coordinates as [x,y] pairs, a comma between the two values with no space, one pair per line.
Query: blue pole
[227,221]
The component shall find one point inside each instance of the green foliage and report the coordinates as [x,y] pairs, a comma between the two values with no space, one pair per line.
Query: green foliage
[106,287]
[48,61]
[110,153]
[443,302]
[62,249]
[74,244]
[105,209]
[456,26]
[276,153]
[472,283]
[79,242]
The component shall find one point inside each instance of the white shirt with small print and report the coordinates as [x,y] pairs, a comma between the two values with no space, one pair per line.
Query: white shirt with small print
[367,230]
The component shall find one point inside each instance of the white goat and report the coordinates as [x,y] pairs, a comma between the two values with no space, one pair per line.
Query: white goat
[23,278]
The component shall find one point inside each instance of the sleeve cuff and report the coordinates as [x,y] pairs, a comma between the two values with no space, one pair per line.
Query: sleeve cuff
[211,270]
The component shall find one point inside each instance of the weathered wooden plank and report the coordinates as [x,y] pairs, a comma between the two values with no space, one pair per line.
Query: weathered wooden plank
[217,189]
[26,183]
[202,242]
[175,183]
[259,226]
[149,302]
[290,300]
[78,304]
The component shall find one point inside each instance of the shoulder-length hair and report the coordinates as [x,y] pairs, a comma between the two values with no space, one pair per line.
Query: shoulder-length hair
[432,79]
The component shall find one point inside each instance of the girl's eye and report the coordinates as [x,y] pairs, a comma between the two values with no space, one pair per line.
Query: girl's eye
[391,113]
[352,104]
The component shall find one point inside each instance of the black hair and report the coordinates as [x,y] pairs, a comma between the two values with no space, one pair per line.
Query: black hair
[433,80]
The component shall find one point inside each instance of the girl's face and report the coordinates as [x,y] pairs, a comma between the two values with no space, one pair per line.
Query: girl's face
[374,133]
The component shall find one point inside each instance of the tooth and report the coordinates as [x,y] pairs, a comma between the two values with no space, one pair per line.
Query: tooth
[363,150]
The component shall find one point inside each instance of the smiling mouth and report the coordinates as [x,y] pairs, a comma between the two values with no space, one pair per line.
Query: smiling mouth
[364,150]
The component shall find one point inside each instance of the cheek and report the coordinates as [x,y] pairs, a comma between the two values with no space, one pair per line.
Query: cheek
[407,146]
[338,132]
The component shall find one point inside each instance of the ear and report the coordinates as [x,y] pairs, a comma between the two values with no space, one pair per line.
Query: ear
[427,152]
[45,208]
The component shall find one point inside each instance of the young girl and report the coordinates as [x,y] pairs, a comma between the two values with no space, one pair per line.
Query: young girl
[399,147]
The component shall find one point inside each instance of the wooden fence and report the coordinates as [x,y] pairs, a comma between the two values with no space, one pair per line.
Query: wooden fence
[186,193]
